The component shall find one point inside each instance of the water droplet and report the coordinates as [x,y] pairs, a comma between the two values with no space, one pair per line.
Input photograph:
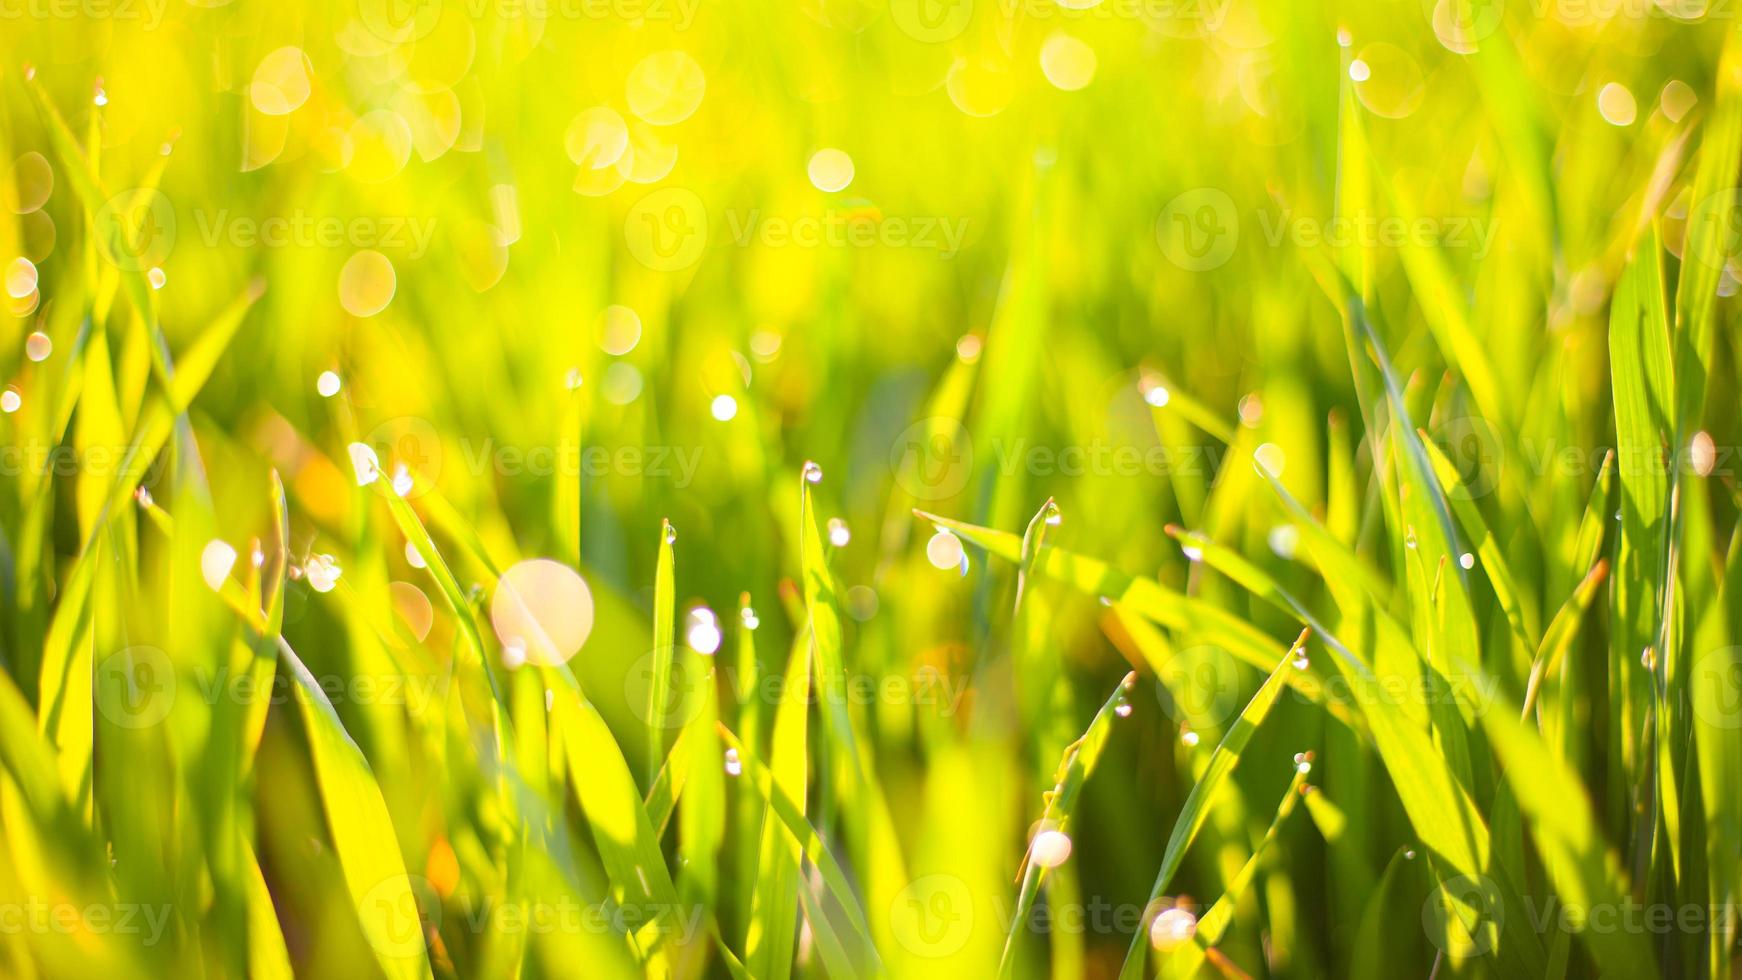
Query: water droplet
[1156,395]
[839,533]
[1192,552]
[1409,539]
[1358,70]
[323,572]
[1122,709]
[1284,538]
[1053,515]
[402,481]
[143,496]
[413,557]
[10,400]
[156,276]
[1186,735]
[1467,560]
[670,533]
[1301,660]
[365,464]
[734,765]
[38,347]
[1269,455]
[723,408]
[514,654]
[328,384]
[1409,855]
[1648,659]
[1303,762]
[749,618]
[702,631]
[813,473]
[1050,849]
[968,348]
[944,550]
[1172,929]
[1251,410]
[215,563]
[573,379]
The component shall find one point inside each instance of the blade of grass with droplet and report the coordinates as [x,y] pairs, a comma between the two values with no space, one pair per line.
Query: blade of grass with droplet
[361,828]
[1561,631]
[1146,597]
[864,808]
[1074,770]
[1196,808]
[702,807]
[1492,559]
[659,690]
[1215,922]
[1644,396]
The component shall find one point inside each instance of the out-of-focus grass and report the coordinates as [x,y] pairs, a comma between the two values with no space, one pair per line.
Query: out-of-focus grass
[688,489]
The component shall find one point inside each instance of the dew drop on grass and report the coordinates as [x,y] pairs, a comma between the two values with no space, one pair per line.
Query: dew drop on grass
[734,766]
[1187,736]
[364,463]
[1122,709]
[1269,455]
[402,482]
[38,347]
[573,379]
[1301,660]
[839,533]
[670,533]
[813,473]
[1172,929]
[10,400]
[748,616]
[1467,560]
[323,572]
[702,631]
[1648,659]
[1052,514]
[216,560]
[413,557]
[1284,538]
[969,347]
[1303,762]
[156,277]
[1050,849]
[944,551]
[514,654]
[724,408]
[328,384]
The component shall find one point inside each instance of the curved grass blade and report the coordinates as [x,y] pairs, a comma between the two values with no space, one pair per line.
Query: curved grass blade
[1074,770]
[1197,805]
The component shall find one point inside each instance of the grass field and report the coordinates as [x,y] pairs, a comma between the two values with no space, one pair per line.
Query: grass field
[945,488]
